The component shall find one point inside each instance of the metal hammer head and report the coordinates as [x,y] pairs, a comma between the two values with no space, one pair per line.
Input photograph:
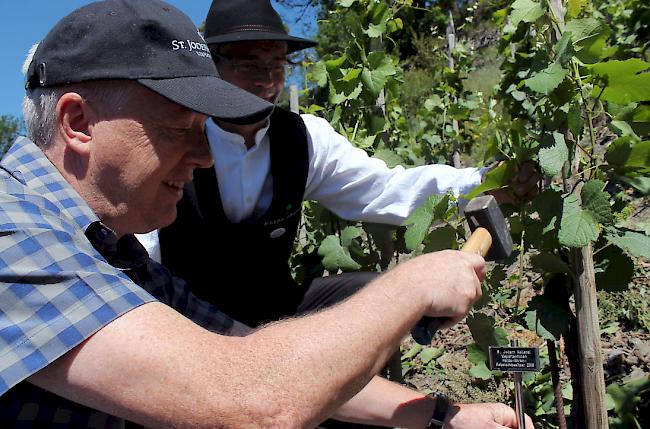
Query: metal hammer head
[484,212]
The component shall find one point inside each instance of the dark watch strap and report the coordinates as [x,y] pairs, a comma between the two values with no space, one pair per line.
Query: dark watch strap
[440,411]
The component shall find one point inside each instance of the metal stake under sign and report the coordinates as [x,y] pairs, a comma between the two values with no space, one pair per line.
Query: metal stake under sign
[516,360]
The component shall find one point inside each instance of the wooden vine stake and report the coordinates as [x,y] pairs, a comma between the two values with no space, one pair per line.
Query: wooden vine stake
[589,347]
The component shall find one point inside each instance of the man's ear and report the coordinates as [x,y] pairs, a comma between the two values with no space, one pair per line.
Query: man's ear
[74,118]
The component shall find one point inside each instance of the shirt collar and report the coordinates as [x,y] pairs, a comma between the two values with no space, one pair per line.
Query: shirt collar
[218,134]
[28,164]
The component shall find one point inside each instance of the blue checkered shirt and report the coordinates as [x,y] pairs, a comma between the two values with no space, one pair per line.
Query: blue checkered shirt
[63,276]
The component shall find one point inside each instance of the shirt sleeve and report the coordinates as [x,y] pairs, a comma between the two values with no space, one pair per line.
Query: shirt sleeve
[355,186]
[55,292]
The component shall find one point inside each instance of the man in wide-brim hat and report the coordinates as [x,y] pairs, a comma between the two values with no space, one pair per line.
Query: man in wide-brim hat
[247,209]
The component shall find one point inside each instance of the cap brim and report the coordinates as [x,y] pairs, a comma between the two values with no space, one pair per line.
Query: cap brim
[212,96]
[293,43]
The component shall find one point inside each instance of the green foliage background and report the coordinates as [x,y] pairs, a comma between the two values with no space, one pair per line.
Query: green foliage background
[10,128]
[565,85]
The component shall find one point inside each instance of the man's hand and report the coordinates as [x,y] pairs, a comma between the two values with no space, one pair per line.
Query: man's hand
[451,281]
[522,186]
[488,416]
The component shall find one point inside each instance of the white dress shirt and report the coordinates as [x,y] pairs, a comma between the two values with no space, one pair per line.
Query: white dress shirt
[341,177]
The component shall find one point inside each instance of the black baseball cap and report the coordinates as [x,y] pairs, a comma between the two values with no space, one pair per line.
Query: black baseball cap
[148,41]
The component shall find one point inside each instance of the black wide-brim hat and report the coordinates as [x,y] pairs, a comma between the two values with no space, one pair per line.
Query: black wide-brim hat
[230,21]
[147,41]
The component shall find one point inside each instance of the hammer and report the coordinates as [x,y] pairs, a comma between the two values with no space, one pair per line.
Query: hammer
[490,238]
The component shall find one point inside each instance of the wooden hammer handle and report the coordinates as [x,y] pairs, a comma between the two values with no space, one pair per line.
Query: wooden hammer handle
[479,242]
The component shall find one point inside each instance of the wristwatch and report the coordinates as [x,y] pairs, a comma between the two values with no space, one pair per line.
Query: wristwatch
[440,411]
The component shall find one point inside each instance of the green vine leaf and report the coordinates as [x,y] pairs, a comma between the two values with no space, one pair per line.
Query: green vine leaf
[485,332]
[336,256]
[597,201]
[380,69]
[479,358]
[349,234]
[554,155]
[496,178]
[582,29]
[389,157]
[319,74]
[545,81]
[628,156]
[417,225]
[525,11]
[548,263]
[430,353]
[575,7]
[577,227]
[547,319]
[350,75]
[441,238]
[346,3]
[624,81]
[548,206]
[636,244]
[614,269]
[564,49]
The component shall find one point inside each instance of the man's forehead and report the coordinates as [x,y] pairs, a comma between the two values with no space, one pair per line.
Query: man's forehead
[255,48]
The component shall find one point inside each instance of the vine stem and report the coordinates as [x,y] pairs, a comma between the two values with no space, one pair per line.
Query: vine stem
[521,261]
[557,384]
[588,110]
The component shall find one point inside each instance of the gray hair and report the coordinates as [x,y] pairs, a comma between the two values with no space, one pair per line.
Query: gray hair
[39,104]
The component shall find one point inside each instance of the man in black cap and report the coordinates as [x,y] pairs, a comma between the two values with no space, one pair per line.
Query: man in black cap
[117,96]
[251,200]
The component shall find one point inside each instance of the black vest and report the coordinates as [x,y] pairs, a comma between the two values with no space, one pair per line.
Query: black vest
[242,268]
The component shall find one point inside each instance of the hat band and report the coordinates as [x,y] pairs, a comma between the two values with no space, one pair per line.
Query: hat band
[252,27]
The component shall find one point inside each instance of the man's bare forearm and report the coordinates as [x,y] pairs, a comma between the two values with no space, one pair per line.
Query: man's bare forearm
[155,367]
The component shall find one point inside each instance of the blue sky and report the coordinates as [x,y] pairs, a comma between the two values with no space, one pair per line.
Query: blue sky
[25,22]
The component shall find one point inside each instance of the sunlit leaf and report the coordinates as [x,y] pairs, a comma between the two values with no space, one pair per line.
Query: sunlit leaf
[335,256]
[496,178]
[349,234]
[575,7]
[389,157]
[564,49]
[417,225]
[441,238]
[577,227]
[525,11]
[545,81]
[430,353]
[597,201]
[319,74]
[636,244]
[554,155]
[628,156]
[624,82]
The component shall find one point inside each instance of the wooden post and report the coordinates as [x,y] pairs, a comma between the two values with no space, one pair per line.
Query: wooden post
[588,327]
[591,361]
[294,104]
[451,45]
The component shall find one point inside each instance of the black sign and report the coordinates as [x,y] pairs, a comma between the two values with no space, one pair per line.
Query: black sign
[514,359]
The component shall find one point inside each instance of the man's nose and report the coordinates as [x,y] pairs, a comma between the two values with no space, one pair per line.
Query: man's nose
[265,78]
[200,154]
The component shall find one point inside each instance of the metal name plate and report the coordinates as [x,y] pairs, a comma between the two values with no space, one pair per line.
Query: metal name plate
[514,359]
